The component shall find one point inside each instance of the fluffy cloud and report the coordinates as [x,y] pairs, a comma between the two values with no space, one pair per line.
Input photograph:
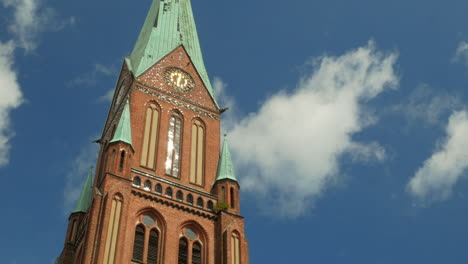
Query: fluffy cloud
[425,105]
[435,179]
[289,150]
[225,101]
[11,98]
[461,53]
[30,19]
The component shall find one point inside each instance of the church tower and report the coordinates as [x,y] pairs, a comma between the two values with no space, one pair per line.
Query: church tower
[164,190]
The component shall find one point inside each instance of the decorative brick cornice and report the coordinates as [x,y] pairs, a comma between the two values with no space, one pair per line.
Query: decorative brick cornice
[178,101]
[175,184]
[154,198]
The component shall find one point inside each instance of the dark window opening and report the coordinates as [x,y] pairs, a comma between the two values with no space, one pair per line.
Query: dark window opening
[179,196]
[183,251]
[232,198]
[196,253]
[158,188]
[136,181]
[189,199]
[210,205]
[122,160]
[200,202]
[169,192]
[138,243]
[153,247]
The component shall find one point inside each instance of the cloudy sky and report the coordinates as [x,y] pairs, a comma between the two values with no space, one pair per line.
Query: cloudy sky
[348,121]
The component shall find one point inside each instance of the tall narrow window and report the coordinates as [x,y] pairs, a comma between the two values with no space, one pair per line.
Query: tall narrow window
[183,250]
[173,145]
[197,153]
[235,248]
[196,253]
[148,150]
[232,198]
[113,230]
[153,247]
[223,194]
[122,160]
[138,244]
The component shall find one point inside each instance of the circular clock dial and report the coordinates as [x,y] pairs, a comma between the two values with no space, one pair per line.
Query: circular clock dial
[179,79]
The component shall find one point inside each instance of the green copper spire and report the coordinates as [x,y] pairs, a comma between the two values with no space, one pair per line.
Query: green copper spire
[169,24]
[86,195]
[123,132]
[225,167]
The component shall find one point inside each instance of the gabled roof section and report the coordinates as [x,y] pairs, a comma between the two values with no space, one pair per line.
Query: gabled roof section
[123,132]
[169,24]
[86,195]
[225,166]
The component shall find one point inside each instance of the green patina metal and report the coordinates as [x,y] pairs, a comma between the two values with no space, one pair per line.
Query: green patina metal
[225,166]
[86,195]
[123,132]
[169,24]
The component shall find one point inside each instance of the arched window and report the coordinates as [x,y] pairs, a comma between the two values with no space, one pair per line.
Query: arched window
[146,241]
[147,185]
[148,150]
[158,188]
[153,247]
[223,194]
[136,181]
[122,160]
[200,202]
[173,145]
[169,192]
[235,248]
[179,196]
[209,205]
[113,230]
[183,251]
[232,198]
[197,153]
[190,199]
[196,253]
[138,243]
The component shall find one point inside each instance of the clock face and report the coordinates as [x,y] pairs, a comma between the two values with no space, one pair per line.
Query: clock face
[179,79]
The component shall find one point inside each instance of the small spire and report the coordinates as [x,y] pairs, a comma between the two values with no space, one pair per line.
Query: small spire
[123,132]
[86,194]
[225,166]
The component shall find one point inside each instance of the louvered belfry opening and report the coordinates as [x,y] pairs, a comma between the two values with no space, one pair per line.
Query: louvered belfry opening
[153,247]
[138,245]
[196,253]
[183,251]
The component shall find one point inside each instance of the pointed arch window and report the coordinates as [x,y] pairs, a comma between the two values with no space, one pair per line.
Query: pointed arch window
[235,248]
[147,240]
[183,251]
[138,243]
[122,160]
[153,247]
[148,150]
[196,253]
[110,247]
[197,152]
[173,145]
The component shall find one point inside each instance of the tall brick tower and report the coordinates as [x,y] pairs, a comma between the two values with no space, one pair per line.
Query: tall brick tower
[165,191]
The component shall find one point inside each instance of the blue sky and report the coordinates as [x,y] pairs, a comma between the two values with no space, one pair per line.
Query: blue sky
[348,121]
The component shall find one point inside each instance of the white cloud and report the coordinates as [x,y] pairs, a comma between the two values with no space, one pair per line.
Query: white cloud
[11,98]
[76,176]
[30,19]
[436,178]
[424,104]
[225,101]
[461,53]
[289,150]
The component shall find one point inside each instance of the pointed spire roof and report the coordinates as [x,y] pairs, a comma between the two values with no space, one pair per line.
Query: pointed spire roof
[86,195]
[225,166]
[169,24]
[123,132]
